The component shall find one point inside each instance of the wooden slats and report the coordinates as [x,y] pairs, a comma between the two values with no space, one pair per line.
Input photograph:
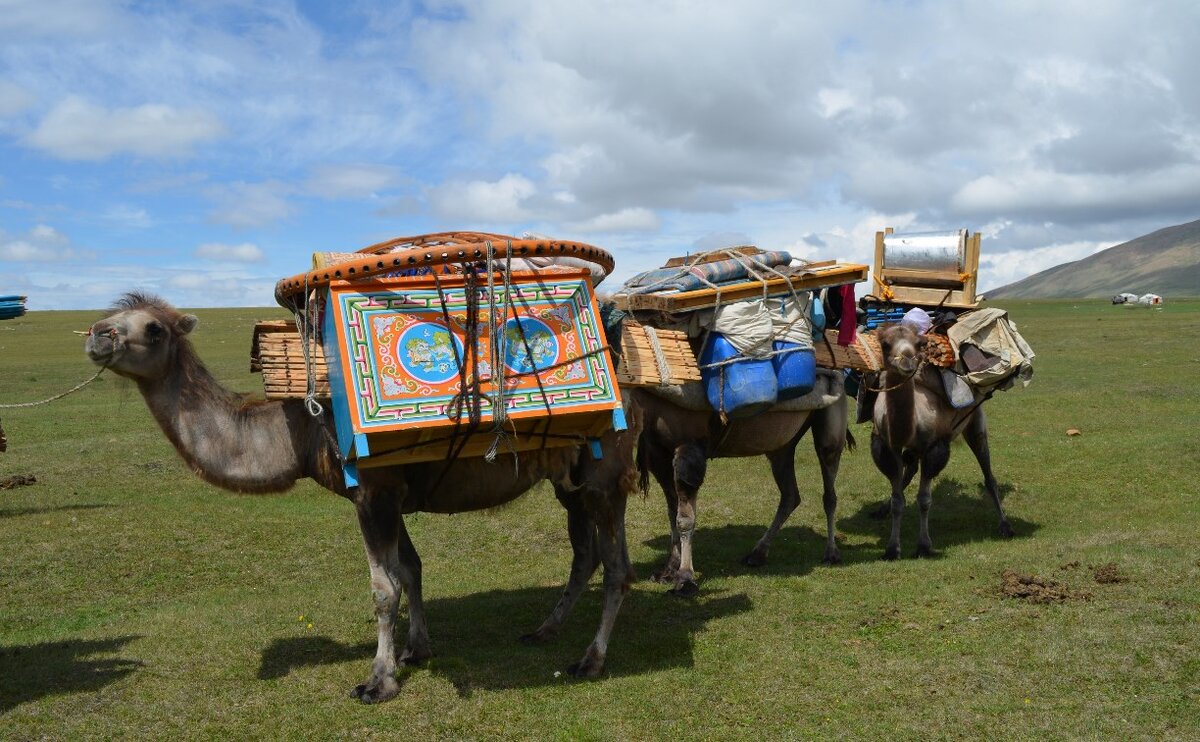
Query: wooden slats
[639,365]
[278,352]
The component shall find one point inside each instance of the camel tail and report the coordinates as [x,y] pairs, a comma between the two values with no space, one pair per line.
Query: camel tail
[643,468]
[851,444]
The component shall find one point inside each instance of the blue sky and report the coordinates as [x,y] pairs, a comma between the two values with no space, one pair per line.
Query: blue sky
[205,150]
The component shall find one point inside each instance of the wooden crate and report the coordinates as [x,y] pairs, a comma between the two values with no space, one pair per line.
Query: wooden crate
[929,288]
[865,355]
[398,344]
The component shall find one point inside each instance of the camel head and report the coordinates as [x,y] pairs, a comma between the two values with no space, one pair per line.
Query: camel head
[139,337]
[902,348]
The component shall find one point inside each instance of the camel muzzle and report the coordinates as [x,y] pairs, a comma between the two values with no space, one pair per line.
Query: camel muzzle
[102,344]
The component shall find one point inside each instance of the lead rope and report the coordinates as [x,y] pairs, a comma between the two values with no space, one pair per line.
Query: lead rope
[56,397]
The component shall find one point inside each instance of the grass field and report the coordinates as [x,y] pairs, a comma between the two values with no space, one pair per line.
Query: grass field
[136,601]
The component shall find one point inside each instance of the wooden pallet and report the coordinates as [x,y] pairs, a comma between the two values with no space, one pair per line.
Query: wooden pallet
[639,364]
[277,352]
[803,278]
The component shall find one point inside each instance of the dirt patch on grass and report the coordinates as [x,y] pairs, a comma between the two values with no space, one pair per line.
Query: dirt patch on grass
[19,480]
[1034,589]
[1107,574]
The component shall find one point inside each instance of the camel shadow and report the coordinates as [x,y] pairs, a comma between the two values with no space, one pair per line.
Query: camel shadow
[960,514]
[717,551]
[34,671]
[476,648]
[17,512]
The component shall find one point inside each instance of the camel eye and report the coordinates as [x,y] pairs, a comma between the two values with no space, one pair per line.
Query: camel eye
[155,332]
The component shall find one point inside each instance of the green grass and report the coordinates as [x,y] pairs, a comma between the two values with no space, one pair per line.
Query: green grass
[135,601]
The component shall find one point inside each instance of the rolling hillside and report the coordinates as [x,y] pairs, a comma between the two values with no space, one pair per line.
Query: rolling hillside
[1165,262]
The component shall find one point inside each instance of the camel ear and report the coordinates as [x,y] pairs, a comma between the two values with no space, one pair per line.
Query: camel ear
[186,324]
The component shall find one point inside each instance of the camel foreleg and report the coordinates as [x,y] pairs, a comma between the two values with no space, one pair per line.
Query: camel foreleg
[976,435]
[379,518]
[932,463]
[662,469]
[896,471]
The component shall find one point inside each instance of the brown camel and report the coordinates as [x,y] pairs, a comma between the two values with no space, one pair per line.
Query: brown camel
[250,446]
[677,443]
[913,427]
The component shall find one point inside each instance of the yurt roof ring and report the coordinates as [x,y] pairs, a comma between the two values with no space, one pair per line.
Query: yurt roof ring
[434,250]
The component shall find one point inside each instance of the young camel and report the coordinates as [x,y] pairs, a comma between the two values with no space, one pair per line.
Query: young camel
[248,446]
[677,443]
[913,427]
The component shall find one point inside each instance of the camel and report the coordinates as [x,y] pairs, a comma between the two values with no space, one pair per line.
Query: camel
[913,427]
[266,446]
[675,447]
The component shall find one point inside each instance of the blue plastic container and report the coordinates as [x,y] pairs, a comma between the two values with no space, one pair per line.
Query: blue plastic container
[795,371]
[749,385]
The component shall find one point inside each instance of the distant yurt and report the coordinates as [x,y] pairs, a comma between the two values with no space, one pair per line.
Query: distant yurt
[1150,300]
[1125,298]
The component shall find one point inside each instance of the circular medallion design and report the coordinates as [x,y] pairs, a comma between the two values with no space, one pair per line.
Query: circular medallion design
[429,353]
[542,348]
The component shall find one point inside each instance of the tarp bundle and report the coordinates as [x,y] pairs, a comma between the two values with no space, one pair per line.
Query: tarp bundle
[705,274]
[990,351]
[11,306]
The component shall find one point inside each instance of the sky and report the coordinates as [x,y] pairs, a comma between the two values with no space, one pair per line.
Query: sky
[203,151]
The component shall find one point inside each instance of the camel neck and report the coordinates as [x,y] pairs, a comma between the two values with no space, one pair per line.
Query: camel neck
[234,444]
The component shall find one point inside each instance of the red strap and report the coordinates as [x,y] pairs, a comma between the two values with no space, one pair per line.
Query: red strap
[849,318]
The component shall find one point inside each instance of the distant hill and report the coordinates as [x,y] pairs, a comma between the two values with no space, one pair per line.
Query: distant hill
[1166,262]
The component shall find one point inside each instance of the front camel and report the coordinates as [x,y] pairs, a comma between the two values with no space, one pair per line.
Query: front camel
[256,446]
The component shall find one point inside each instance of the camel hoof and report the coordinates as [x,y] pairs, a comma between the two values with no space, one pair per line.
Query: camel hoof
[664,576]
[534,638]
[685,589]
[832,557]
[376,691]
[414,656]
[892,553]
[1006,530]
[755,559]
[924,550]
[589,667]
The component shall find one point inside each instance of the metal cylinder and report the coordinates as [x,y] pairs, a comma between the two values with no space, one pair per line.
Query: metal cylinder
[925,251]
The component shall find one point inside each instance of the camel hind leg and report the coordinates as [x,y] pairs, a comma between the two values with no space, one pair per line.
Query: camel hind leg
[663,470]
[830,433]
[976,435]
[609,519]
[584,561]
[689,465]
[783,468]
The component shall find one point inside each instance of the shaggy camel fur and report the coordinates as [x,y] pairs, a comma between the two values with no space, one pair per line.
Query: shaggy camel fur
[249,446]
[914,425]
[677,443]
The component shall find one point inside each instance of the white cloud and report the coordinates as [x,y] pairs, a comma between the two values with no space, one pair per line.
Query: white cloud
[350,181]
[484,201]
[128,217]
[245,252]
[250,204]
[40,243]
[13,99]
[76,129]
[626,220]
[25,18]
